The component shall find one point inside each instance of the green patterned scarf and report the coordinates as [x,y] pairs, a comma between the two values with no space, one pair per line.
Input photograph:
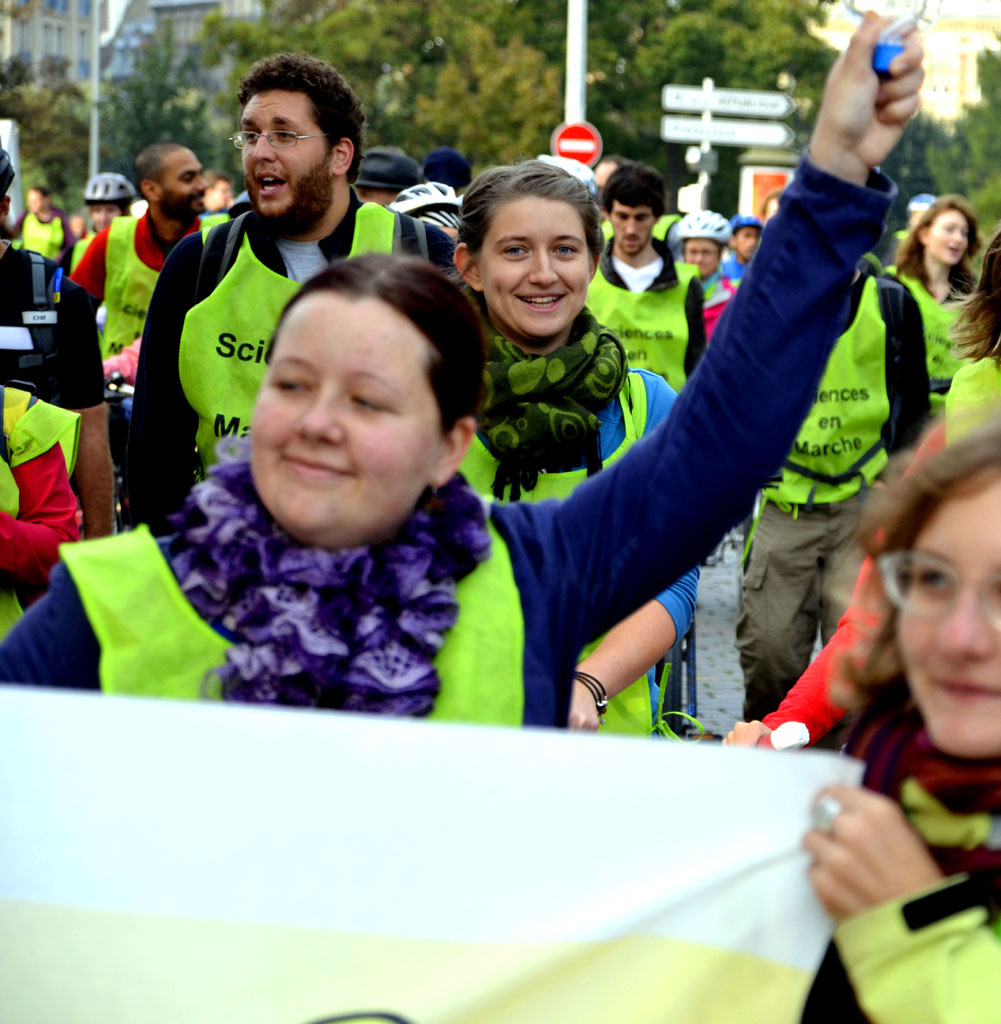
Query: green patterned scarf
[539,411]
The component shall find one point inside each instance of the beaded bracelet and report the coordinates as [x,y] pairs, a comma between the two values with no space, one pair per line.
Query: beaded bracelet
[597,690]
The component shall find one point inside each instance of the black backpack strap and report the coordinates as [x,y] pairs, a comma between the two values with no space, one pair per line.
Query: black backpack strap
[855,469]
[4,439]
[410,236]
[40,296]
[43,336]
[42,300]
[219,252]
[891,308]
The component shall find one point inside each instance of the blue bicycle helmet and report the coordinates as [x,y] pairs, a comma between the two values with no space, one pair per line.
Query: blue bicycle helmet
[744,220]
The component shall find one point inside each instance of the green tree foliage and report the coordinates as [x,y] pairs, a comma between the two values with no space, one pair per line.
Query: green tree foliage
[743,44]
[486,75]
[429,72]
[53,124]
[156,104]
[634,49]
[482,87]
[910,165]
[970,162]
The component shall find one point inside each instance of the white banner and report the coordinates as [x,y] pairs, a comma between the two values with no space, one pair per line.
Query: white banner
[172,862]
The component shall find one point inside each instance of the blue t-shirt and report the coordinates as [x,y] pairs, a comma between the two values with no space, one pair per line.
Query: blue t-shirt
[732,268]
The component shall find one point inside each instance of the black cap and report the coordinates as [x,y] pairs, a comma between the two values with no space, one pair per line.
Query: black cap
[388,168]
[448,166]
[6,172]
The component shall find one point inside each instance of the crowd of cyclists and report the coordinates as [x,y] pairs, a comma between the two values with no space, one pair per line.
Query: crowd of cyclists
[383,324]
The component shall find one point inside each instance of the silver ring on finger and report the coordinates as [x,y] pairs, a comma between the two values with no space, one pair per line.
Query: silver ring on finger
[825,811]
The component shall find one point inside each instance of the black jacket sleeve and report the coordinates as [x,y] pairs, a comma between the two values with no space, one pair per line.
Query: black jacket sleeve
[696,327]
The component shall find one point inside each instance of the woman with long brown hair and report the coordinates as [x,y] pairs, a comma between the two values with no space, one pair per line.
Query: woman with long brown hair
[909,864]
[934,263]
[976,388]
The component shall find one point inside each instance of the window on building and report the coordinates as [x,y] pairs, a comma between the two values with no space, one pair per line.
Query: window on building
[46,40]
[60,41]
[85,8]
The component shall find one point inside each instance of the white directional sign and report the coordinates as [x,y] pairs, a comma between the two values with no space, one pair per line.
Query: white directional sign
[722,132]
[739,102]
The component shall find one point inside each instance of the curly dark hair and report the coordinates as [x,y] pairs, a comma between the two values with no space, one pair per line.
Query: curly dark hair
[635,184]
[336,108]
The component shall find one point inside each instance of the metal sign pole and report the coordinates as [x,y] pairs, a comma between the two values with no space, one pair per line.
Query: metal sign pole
[704,178]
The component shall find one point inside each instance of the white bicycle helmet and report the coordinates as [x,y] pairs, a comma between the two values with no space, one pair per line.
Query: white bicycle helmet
[920,202]
[7,173]
[705,224]
[109,187]
[574,167]
[430,201]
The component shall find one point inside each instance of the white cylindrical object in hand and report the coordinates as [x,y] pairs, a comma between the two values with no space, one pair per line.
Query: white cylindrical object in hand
[790,736]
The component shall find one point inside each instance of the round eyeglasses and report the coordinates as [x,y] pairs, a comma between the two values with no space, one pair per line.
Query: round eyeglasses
[924,584]
[277,140]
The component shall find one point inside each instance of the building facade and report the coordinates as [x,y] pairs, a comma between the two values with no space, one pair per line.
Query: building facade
[952,46]
[52,29]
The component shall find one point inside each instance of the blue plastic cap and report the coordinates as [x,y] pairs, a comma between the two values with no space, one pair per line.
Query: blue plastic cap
[883,56]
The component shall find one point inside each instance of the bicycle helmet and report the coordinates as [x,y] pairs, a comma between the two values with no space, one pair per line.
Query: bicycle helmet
[920,202]
[430,201]
[109,187]
[575,168]
[6,172]
[704,224]
[744,220]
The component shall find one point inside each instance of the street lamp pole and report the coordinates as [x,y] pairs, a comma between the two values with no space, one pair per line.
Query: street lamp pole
[95,86]
[575,92]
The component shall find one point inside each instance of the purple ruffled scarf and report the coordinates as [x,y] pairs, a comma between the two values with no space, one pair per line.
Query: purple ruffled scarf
[356,629]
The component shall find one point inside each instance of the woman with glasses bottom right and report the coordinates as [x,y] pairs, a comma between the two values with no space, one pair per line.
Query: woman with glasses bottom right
[910,863]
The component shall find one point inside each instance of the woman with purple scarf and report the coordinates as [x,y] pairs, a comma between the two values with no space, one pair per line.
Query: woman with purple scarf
[335,559]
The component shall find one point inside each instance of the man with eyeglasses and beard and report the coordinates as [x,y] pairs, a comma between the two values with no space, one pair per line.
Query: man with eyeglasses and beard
[206,345]
[122,264]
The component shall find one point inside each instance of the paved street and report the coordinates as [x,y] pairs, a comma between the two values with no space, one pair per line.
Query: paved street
[720,686]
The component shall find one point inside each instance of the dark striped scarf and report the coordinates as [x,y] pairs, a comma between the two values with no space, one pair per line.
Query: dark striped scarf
[954,804]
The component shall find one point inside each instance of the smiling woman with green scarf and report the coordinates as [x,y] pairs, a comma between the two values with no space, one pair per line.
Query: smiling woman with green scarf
[559,399]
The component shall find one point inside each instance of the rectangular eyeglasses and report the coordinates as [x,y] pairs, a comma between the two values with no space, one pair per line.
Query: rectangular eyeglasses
[277,140]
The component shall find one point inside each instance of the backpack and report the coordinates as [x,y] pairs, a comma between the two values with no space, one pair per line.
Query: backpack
[41,321]
[222,245]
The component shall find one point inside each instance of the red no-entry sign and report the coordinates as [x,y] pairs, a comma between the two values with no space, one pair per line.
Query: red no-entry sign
[577,140]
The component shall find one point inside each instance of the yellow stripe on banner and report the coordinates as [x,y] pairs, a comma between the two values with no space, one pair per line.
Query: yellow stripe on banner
[108,967]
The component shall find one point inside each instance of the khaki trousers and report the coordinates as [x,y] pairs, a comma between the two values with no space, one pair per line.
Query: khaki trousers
[799,575]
